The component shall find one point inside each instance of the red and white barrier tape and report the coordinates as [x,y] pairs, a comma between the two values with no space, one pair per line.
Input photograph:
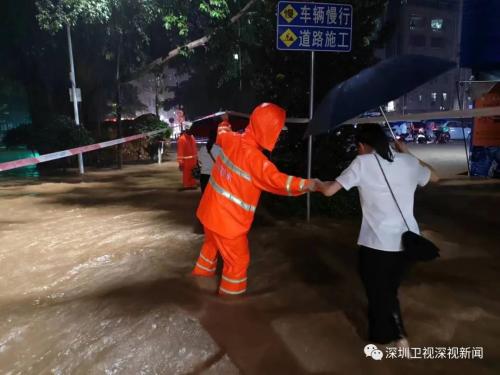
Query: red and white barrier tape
[73,151]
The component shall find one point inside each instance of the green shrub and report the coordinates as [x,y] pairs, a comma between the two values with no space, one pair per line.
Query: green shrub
[149,123]
[332,153]
[20,136]
[57,134]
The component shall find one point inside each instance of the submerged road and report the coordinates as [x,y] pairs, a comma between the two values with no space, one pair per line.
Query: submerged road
[448,159]
[93,281]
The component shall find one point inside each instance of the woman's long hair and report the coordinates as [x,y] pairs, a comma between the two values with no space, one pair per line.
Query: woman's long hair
[374,136]
[212,137]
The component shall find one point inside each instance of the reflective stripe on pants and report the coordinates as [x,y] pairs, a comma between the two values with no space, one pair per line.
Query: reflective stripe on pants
[232,286]
[207,260]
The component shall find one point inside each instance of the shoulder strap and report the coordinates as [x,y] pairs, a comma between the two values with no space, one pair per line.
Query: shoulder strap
[210,153]
[390,189]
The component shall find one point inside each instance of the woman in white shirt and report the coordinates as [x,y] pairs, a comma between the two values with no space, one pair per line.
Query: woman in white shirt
[381,262]
[206,157]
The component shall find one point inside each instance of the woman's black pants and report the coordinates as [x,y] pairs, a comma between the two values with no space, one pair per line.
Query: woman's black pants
[204,178]
[381,273]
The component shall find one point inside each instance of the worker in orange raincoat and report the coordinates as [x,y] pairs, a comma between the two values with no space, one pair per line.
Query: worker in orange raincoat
[227,208]
[187,157]
[224,125]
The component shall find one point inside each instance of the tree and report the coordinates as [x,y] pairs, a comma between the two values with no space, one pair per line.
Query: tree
[217,10]
[27,57]
[127,28]
[13,104]
[125,24]
[267,74]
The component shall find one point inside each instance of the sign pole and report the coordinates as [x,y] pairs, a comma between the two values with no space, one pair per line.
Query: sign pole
[309,147]
[311,27]
[73,88]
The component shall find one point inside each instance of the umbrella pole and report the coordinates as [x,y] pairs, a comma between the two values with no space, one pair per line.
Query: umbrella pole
[387,122]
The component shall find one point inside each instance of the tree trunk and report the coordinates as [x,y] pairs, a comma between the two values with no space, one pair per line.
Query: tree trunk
[119,128]
[157,99]
[99,139]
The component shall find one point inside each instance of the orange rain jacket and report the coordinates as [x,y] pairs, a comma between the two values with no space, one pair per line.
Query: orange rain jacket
[242,171]
[187,157]
[186,149]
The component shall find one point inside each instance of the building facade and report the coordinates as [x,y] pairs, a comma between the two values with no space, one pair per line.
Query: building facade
[432,28]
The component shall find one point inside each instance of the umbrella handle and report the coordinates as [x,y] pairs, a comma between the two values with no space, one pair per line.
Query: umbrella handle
[387,122]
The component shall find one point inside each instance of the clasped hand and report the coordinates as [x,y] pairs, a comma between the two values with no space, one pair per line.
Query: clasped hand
[324,187]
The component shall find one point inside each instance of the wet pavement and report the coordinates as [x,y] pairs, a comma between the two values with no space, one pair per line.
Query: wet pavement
[93,280]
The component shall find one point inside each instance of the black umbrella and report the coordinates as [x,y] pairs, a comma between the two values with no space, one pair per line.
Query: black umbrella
[373,87]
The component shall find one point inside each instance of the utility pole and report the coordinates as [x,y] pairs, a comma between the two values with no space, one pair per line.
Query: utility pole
[73,89]
[310,139]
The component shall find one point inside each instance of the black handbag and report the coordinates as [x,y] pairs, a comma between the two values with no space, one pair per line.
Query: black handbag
[415,247]
[196,172]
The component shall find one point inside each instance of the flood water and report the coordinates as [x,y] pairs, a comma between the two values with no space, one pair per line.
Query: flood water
[93,280]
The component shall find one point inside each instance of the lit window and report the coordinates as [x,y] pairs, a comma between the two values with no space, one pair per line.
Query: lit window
[420,98]
[391,107]
[437,24]
[445,96]
[434,97]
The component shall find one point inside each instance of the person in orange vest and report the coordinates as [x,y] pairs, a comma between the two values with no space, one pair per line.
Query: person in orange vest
[226,210]
[208,153]
[187,157]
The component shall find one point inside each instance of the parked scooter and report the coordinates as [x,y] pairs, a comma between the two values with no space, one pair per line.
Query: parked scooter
[442,137]
[405,138]
[420,137]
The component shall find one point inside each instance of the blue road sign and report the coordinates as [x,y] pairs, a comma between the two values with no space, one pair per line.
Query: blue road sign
[314,27]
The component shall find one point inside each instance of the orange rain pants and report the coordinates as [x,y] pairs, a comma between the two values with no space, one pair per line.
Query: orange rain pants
[187,157]
[236,256]
[188,180]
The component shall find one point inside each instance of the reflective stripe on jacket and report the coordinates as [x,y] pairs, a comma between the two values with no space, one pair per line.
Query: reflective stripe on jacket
[240,173]
[186,148]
